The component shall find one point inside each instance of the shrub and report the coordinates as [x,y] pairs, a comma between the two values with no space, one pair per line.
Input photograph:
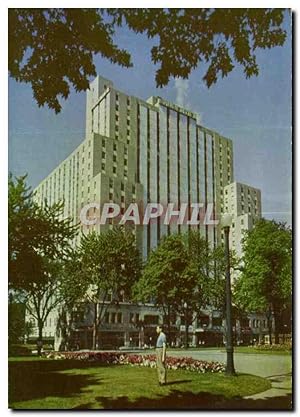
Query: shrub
[281,347]
[116,358]
[19,350]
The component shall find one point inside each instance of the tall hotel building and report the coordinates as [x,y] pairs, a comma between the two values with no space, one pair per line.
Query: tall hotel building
[142,151]
[146,151]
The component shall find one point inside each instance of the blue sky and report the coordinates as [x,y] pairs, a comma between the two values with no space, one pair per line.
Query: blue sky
[254,113]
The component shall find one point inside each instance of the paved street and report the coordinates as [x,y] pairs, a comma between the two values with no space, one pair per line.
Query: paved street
[277,368]
[264,365]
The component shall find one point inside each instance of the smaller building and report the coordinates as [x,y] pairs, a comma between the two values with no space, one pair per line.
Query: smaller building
[244,204]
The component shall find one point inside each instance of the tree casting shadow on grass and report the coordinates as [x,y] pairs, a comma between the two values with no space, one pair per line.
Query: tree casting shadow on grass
[39,379]
[189,401]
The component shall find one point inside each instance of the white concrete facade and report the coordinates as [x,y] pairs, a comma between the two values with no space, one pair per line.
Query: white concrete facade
[243,202]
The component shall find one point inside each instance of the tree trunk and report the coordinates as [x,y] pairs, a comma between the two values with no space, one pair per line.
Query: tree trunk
[269,319]
[186,336]
[186,330]
[95,326]
[169,324]
[276,327]
[40,337]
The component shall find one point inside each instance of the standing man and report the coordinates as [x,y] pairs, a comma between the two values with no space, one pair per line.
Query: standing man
[161,346]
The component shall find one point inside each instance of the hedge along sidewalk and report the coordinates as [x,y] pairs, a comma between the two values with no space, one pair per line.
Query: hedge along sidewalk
[115,358]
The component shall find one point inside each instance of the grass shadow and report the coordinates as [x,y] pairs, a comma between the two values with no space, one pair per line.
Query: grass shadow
[180,381]
[178,400]
[39,379]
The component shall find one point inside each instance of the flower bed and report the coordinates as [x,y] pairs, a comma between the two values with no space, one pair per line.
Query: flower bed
[116,358]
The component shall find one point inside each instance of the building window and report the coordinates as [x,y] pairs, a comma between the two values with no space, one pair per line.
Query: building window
[217,321]
[119,318]
[106,317]
[151,319]
[113,316]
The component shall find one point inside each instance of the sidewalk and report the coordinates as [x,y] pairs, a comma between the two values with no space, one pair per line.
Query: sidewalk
[281,386]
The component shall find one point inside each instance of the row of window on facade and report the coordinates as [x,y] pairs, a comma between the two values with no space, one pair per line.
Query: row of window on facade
[134,318]
[46,190]
[117,118]
[242,208]
[232,189]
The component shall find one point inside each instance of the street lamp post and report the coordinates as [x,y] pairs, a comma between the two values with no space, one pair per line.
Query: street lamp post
[226,223]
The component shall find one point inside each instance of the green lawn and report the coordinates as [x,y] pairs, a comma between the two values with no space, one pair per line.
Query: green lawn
[237,349]
[48,384]
[250,349]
